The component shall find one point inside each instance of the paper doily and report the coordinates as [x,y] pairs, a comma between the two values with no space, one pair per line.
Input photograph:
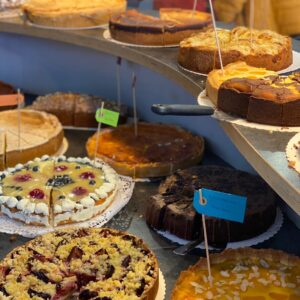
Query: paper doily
[293,153]
[123,195]
[107,36]
[203,99]
[293,67]
[161,293]
[234,245]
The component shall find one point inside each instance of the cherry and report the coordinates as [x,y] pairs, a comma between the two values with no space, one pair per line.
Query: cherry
[79,191]
[22,178]
[87,175]
[37,194]
[60,168]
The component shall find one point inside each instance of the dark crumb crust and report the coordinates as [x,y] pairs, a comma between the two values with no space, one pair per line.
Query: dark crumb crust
[172,209]
[147,292]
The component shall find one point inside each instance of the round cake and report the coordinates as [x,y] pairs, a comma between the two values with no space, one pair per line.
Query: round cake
[242,274]
[55,191]
[172,26]
[72,13]
[237,69]
[272,100]
[80,264]
[40,133]
[157,150]
[268,49]
[172,209]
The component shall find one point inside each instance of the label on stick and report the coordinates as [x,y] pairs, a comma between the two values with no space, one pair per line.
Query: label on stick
[221,205]
[108,117]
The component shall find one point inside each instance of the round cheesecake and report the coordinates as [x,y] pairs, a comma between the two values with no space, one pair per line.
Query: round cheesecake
[56,191]
[40,133]
[72,13]
[157,150]
[86,263]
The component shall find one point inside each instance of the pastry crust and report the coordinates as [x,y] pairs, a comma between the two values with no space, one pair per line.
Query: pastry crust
[263,257]
[172,27]
[67,13]
[269,50]
[41,133]
[150,168]
[86,239]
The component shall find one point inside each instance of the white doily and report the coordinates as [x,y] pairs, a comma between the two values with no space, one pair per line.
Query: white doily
[293,153]
[124,193]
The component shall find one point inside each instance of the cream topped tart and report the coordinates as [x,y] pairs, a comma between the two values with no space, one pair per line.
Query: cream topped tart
[80,263]
[244,274]
[57,190]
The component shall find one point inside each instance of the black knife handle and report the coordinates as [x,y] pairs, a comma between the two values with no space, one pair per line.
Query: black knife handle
[182,110]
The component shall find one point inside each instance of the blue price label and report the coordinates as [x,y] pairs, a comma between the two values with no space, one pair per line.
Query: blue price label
[221,205]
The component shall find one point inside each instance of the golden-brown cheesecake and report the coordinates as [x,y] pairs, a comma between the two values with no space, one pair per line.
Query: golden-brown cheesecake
[245,274]
[170,28]
[157,150]
[84,263]
[237,69]
[72,13]
[40,133]
[268,49]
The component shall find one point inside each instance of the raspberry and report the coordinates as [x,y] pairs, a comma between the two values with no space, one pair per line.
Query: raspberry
[60,168]
[37,194]
[87,175]
[79,191]
[22,178]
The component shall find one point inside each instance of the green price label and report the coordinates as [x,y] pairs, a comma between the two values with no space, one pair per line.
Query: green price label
[108,117]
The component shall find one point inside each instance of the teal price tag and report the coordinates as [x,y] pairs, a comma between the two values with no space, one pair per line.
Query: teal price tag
[108,117]
[221,205]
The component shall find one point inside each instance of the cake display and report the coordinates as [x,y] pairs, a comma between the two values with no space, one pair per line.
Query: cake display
[157,150]
[55,191]
[172,209]
[268,49]
[272,100]
[172,26]
[237,69]
[70,13]
[76,109]
[242,274]
[80,264]
[40,133]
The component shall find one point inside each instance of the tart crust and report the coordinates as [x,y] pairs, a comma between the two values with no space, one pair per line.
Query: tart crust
[148,168]
[68,14]
[263,257]
[171,28]
[199,53]
[41,133]
[45,247]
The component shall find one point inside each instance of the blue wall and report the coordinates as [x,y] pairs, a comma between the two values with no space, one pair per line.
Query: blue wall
[39,66]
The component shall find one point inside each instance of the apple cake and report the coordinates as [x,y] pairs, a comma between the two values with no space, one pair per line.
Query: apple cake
[172,208]
[94,263]
[40,133]
[268,49]
[157,150]
[55,191]
[237,69]
[246,274]
[272,100]
[172,26]
[72,13]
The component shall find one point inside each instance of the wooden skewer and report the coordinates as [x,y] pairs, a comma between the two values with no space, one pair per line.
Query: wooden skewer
[98,133]
[251,21]
[216,35]
[134,103]
[195,6]
[202,202]
[19,120]
[118,75]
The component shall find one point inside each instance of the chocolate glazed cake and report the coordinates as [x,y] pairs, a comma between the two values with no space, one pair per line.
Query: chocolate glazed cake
[172,209]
